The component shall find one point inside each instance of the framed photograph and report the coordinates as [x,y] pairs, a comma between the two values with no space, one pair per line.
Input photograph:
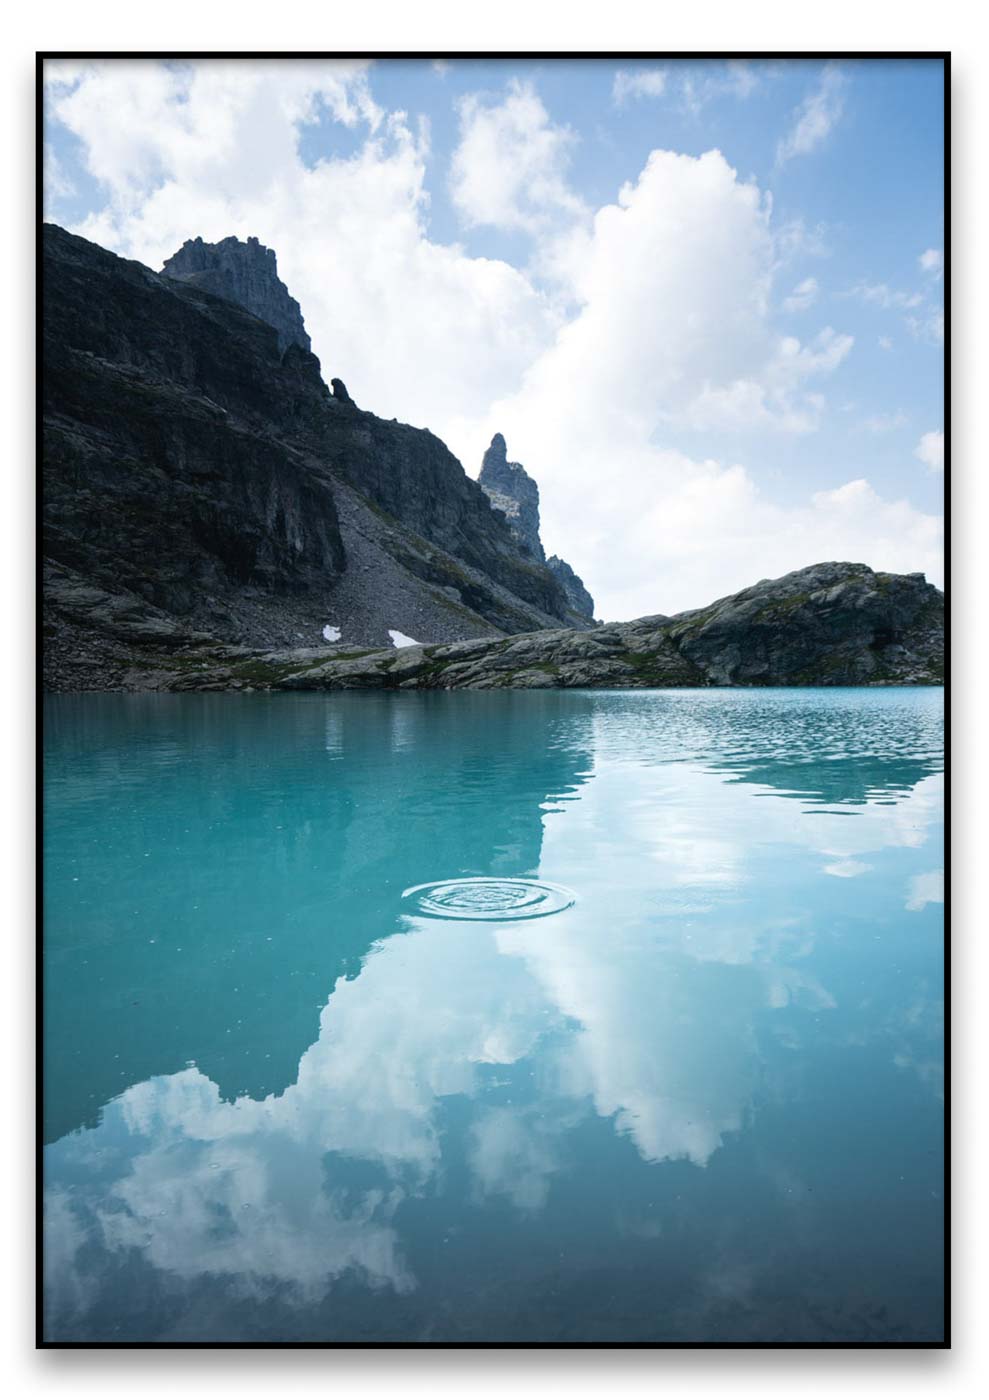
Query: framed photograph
[491,669]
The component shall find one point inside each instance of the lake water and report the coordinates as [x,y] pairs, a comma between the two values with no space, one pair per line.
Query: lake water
[686,1085]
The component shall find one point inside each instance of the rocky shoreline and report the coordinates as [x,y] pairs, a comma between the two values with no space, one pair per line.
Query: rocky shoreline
[831,624]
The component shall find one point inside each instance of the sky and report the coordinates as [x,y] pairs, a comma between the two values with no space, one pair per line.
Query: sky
[702,301]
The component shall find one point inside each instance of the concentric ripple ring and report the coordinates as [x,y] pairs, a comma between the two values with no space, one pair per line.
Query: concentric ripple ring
[489,898]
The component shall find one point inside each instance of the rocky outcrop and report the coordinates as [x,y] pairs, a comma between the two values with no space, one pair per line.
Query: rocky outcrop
[512,491]
[246,273]
[189,462]
[828,625]
[578,597]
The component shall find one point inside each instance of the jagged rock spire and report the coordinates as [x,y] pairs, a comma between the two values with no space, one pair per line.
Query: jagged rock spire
[512,490]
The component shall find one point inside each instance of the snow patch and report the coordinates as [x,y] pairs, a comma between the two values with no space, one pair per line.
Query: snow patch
[332,634]
[399,639]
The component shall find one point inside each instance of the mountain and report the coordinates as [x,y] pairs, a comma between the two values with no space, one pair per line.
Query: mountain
[511,490]
[199,475]
[215,517]
[831,624]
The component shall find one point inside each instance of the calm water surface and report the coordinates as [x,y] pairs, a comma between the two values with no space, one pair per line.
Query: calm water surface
[685,1085]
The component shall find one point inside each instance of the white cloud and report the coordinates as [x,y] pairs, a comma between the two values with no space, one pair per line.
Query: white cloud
[740,78]
[674,287]
[509,168]
[736,78]
[228,123]
[878,294]
[694,531]
[645,82]
[926,325]
[815,118]
[930,450]
[675,331]
[56,183]
[418,330]
[794,237]
[930,260]
[928,328]
[690,86]
[776,400]
[885,343]
[803,295]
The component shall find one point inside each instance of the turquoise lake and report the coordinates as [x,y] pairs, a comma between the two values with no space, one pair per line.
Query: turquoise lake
[666,1067]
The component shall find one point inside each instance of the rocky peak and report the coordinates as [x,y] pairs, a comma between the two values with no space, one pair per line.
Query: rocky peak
[511,489]
[245,273]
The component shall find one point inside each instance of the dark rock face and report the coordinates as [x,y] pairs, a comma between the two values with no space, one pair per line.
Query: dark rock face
[512,491]
[577,595]
[831,624]
[192,466]
[162,476]
[427,493]
[406,471]
[246,273]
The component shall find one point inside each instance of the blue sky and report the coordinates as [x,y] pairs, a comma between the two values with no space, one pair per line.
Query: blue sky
[703,301]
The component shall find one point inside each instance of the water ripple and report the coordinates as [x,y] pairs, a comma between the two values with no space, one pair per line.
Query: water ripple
[489,898]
